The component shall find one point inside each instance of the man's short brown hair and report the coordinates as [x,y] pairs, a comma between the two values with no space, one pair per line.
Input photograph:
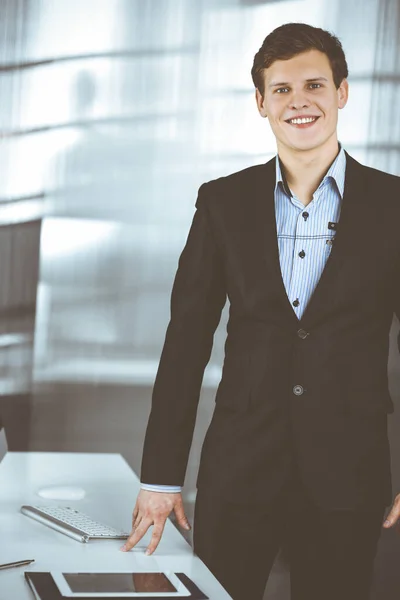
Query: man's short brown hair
[292,39]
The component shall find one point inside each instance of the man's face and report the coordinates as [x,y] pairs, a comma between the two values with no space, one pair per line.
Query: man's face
[302,87]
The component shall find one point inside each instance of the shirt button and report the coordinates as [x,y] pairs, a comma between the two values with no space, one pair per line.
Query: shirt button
[305,215]
[302,333]
[298,390]
[302,254]
[296,302]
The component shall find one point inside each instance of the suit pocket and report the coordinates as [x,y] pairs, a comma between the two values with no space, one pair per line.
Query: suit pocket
[235,386]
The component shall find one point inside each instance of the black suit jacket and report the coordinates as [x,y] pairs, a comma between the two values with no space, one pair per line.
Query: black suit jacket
[335,431]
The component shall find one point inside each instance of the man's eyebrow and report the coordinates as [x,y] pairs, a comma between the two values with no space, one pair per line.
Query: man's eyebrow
[282,83]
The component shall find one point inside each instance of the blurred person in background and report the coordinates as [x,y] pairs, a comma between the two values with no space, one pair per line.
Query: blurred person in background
[297,452]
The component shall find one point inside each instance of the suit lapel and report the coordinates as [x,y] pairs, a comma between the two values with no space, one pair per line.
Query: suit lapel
[353,220]
[264,219]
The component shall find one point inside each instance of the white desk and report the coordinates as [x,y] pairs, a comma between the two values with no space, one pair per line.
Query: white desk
[111,489]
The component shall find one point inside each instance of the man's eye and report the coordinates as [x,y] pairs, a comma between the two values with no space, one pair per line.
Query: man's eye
[279,90]
[318,85]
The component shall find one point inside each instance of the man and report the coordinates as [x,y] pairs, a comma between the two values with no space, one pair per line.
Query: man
[306,248]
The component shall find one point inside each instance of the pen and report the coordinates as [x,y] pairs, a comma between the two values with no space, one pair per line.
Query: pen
[19,563]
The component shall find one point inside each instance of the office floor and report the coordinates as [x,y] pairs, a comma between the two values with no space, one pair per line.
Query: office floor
[107,418]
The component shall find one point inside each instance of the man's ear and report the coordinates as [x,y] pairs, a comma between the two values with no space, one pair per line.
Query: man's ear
[343,93]
[261,104]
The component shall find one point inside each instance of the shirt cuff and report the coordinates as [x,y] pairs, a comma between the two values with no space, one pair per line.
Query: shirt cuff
[169,489]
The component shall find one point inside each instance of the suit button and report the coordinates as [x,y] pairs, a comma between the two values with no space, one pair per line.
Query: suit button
[298,390]
[302,333]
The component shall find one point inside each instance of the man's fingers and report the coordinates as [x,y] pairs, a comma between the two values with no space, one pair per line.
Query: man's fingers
[158,529]
[136,516]
[394,514]
[136,535]
[153,508]
[135,512]
[180,516]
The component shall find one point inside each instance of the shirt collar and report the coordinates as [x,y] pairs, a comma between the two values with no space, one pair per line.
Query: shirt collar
[336,171]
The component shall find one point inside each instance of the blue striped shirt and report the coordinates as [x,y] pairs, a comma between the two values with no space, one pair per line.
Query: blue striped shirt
[305,234]
[305,237]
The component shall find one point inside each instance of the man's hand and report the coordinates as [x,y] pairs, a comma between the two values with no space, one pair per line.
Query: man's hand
[394,514]
[153,508]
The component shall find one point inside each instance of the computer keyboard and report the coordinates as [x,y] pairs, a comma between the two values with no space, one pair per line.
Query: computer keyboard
[72,522]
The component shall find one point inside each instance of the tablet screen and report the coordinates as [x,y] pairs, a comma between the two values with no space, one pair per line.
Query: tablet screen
[118,583]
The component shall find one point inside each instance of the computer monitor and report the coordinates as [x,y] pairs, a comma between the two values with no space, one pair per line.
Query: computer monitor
[3,442]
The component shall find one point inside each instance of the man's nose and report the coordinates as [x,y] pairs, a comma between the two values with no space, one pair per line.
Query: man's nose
[299,100]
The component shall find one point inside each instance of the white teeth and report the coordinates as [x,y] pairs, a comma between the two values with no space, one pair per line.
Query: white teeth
[303,121]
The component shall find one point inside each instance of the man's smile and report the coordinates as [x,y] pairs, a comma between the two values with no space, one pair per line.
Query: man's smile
[302,122]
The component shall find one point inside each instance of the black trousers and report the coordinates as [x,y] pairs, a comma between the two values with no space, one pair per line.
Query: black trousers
[330,553]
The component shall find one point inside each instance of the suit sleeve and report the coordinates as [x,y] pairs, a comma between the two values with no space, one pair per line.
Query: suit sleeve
[397,309]
[198,297]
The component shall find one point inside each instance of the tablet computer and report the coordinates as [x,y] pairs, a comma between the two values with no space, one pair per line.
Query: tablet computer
[127,585]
